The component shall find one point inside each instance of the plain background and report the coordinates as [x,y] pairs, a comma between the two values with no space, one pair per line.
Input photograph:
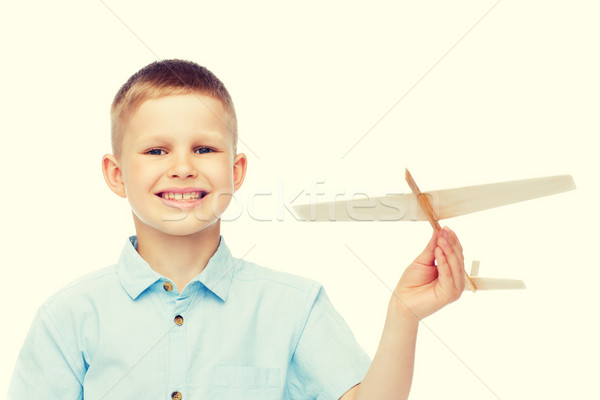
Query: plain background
[347,95]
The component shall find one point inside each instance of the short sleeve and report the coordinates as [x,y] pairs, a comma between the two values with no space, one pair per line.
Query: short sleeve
[327,361]
[46,367]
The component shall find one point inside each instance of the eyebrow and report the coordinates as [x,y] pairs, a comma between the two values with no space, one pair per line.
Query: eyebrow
[167,138]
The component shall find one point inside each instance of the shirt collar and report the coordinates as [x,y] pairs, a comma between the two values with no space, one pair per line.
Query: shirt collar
[136,275]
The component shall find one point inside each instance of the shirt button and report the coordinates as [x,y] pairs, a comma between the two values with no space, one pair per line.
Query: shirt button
[176,396]
[179,320]
[167,286]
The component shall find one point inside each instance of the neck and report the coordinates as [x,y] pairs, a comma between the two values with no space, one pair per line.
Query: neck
[178,258]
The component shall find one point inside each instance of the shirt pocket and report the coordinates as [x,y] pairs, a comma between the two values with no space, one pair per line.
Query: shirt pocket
[246,382]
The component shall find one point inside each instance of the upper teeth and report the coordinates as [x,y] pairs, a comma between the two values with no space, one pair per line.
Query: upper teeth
[181,196]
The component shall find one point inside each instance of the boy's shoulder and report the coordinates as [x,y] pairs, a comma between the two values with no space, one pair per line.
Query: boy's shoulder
[96,282]
[249,271]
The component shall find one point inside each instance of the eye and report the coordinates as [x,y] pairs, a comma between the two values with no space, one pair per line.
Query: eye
[154,152]
[204,150]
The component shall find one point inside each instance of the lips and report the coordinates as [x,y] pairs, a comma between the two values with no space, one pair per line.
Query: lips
[182,194]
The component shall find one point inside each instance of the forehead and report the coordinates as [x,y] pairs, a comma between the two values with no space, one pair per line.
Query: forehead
[182,116]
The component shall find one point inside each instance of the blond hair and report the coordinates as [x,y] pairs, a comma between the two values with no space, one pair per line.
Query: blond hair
[164,78]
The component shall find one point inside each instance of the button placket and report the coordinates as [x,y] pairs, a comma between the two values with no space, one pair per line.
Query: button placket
[178,347]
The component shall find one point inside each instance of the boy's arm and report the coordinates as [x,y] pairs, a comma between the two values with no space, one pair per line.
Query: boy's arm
[423,289]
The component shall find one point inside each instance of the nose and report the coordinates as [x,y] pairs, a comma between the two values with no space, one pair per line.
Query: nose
[183,167]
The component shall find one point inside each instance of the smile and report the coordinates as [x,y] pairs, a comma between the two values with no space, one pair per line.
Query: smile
[188,196]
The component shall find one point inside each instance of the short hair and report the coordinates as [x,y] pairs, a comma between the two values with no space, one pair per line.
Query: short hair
[164,78]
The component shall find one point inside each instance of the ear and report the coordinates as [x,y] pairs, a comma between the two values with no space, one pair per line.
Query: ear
[112,175]
[240,163]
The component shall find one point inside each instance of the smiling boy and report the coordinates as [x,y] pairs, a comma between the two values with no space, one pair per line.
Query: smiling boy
[179,170]
[178,317]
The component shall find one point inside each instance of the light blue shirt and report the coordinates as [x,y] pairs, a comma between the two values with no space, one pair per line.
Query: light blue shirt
[237,331]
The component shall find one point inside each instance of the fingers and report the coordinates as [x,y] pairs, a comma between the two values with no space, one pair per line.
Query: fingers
[453,240]
[453,257]
[445,279]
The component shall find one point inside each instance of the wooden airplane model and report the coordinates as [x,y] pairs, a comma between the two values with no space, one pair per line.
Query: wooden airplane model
[436,205]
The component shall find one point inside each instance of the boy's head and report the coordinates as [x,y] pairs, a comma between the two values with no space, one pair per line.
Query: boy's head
[174,148]
[164,78]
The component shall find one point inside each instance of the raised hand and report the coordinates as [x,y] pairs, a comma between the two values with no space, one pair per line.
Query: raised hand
[434,279]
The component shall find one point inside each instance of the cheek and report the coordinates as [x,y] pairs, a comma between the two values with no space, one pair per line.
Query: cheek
[141,177]
[222,173]
[221,179]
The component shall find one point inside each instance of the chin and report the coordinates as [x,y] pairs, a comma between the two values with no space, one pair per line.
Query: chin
[180,224]
[182,229]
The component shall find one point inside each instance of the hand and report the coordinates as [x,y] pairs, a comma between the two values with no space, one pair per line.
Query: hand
[427,285]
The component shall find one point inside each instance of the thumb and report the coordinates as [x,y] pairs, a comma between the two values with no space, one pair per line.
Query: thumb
[427,257]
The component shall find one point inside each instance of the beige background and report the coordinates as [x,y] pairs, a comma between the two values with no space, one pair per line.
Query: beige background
[464,100]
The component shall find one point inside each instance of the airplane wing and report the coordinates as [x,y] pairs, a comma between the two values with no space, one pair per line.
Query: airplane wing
[491,283]
[495,284]
[392,207]
[445,203]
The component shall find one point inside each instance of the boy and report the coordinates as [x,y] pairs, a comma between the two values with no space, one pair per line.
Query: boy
[177,317]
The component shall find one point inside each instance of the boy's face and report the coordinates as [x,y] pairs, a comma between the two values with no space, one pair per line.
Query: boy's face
[177,146]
